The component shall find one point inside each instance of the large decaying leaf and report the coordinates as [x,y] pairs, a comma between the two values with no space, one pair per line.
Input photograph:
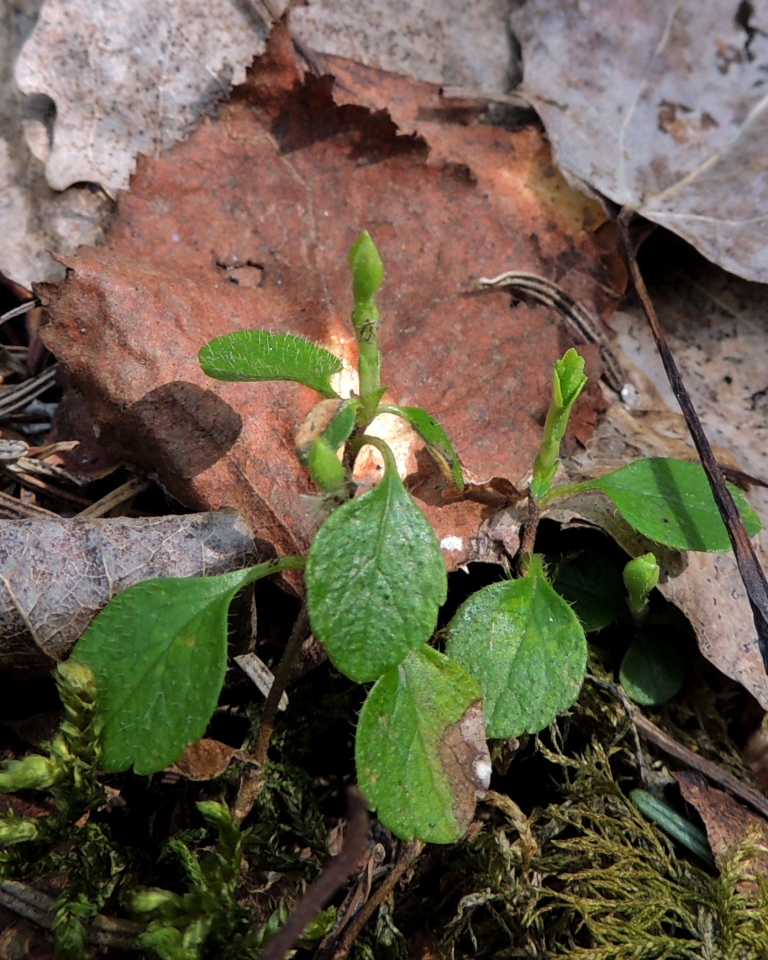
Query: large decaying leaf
[247,225]
[661,107]
[422,759]
[525,647]
[159,652]
[375,580]
[56,575]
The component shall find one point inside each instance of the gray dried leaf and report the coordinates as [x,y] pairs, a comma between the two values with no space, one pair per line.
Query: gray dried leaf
[661,107]
[55,575]
[132,77]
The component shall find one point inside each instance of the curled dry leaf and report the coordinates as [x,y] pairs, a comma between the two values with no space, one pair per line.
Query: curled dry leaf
[729,824]
[56,575]
[130,78]
[660,107]
[247,225]
[207,759]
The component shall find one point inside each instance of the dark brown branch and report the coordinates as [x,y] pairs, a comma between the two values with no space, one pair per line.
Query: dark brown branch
[252,776]
[408,857]
[329,881]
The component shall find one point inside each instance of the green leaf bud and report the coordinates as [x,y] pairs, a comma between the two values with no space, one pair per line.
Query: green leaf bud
[326,469]
[367,268]
[640,577]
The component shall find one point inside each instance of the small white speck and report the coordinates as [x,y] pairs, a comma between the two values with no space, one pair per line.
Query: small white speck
[451,543]
[483,772]
[82,330]
[175,237]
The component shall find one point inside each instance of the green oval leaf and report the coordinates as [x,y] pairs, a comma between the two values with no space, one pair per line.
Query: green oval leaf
[158,652]
[421,754]
[259,355]
[375,579]
[652,670]
[670,501]
[525,647]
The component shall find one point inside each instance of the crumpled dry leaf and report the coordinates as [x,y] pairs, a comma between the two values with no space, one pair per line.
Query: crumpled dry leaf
[35,218]
[207,759]
[56,575]
[729,824]
[247,225]
[130,78]
[660,107]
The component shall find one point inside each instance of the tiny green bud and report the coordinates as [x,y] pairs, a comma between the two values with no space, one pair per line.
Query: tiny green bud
[326,469]
[14,830]
[640,577]
[367,268]
[32,773]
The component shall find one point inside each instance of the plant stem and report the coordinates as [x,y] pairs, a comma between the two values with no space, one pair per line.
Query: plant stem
[253,776]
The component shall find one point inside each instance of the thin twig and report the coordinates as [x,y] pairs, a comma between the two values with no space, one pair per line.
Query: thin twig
[17,311]
[330,880]
[408,857]
[580,320]
[712,771]
[252,777]
[751,572]
[126,491]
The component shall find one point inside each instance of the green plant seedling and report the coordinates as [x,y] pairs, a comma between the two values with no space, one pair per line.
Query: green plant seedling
[375,580]
[641,576]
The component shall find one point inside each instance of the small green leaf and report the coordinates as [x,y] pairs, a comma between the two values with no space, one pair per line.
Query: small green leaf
[525,647]
[591,582]
[436,439]
[421,752]
[375,579]
[652,670]
[159,652]
[670,501]
[259,355]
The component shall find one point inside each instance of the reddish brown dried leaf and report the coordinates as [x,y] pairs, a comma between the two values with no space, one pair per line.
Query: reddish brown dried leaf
[247,225]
